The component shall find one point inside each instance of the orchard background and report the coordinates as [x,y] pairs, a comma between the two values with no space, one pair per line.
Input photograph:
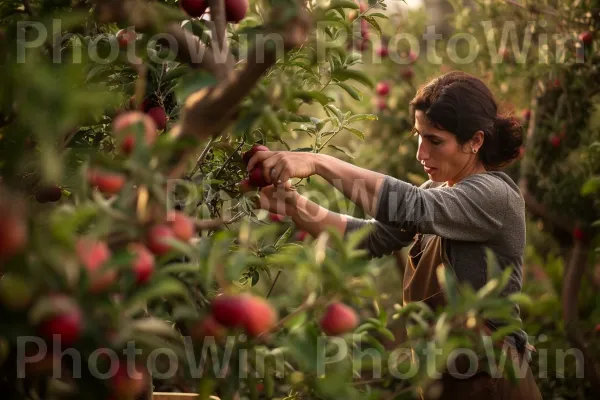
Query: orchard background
[127,215]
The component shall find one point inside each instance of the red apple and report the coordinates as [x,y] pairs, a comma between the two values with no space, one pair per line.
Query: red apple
[245,186]
[194,8]
[106,182]
[362,6]
[230,310]
[597,328]
[579,234]
[124,129]
[128,384]
[276,217]
[301,235]
[235,10]
[364,29]
[47,194]
[338,319]
[526,114]
[66,322]
[13,232]
[586,37]
[159,116]
[408,74]
[183,227]
[383,51]
[260,316]
[125,37]
[256,177]
[156,237]
[412,56]
[555,141]
[93,255]
[208,327]
[143,264]
[382,88]
[380,103]
[248,155]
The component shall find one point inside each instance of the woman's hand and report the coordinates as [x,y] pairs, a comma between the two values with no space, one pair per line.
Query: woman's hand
[277,199]
[280,166]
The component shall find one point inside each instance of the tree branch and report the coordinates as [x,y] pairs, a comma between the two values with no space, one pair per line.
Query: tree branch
[570,291]
[219,42]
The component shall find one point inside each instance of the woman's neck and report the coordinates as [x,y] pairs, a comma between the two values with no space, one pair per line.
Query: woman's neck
[477,168]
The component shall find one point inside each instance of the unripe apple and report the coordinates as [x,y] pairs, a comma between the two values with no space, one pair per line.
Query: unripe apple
[230,310]
[579,234]
[256,177]
[194,8]
[208,327]
[159,116]
[248,155]
[183,227]
[125,37]
[156,237]
[555,141]
[93,255]
[235,10]
[382,88]
[586,37]
[68,322]
[143,263]
[124,129]
[128,384]
[106,182]
[16,293]
[260,316]
[13,232]
[338,319]
[47,194]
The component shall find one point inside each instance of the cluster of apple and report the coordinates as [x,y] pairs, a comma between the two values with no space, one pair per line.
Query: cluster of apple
[363,43]
[256,177]
[235,10]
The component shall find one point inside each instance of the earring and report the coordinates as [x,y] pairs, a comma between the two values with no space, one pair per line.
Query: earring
[474,150]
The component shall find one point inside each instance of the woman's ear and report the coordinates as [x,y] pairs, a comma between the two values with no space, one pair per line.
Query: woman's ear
[477,140]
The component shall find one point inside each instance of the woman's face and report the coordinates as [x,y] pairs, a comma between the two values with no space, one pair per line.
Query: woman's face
[443,159]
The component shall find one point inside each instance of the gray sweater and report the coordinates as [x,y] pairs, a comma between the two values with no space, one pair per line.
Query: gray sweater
[482,211]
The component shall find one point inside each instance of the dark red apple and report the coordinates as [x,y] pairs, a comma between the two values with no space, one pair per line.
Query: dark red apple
[194,8]
[256,177]
[526,114]
[235,10]
[13,232]
[230,310]
[159,116]
[248,155]
[408,74]
[383,51]
[555,141]
[129,381]
[125,37]
[46,194]
[579,234]
[338,319]
[124,129]
[208,327]
[67,322]
[245,186]
[586,37]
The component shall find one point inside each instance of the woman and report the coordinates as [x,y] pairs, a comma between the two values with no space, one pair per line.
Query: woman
[466,206]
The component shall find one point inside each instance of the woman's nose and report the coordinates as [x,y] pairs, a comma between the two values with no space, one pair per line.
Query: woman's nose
[422,153]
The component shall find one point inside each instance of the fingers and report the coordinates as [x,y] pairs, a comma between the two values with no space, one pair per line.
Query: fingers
[259,157]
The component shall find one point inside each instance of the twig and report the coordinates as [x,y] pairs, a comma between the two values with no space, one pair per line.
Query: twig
[229,159]
[274,282]
[202,156]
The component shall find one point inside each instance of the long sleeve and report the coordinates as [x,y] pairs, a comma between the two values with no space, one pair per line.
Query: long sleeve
[382,239]
[471,210]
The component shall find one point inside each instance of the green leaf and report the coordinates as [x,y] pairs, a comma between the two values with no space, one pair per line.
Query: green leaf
[343,4]
[373,22]
[166,287]
[359,76]
[362,117]
[342,149]
[350,90]
[283,238]
[310,95]
[521,299]
[591,186]
[378,15]
[356,133]
[447,281]
[387,333]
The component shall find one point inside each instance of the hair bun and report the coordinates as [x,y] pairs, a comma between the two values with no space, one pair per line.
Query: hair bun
[506,141]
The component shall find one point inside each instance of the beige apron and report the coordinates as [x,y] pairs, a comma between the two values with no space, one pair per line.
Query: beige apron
[421,284]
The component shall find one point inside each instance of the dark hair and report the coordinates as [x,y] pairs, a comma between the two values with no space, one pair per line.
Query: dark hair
[462,105]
